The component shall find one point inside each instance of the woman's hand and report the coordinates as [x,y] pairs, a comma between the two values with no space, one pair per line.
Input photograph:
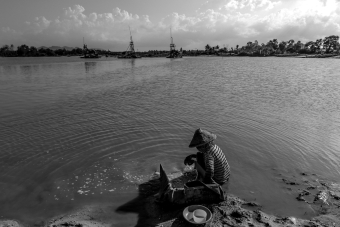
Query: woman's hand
[190,159]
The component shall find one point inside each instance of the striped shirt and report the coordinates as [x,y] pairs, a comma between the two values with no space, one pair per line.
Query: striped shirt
[216,165]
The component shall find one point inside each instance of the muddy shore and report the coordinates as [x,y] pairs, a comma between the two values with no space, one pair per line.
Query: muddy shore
[323,197]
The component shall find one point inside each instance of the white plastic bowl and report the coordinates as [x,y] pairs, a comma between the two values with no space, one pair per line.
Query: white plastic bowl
[199,216]
[188,214]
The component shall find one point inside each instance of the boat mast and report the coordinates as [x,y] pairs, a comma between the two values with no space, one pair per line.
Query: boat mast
[172,45]
[131,46]
[84,47]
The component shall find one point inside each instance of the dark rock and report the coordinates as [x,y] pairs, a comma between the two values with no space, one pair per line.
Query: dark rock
[300,198]
[289,182]
[261,217]
[326,184]
[311,224]
[236,214]
[252,204]
[311,187]
[305,192]
[335,195]
[233,203]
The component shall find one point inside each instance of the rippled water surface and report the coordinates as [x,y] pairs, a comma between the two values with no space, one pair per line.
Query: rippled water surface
[75,132]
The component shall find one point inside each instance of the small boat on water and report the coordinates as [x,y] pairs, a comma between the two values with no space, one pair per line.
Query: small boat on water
[173,52]
[130,52]
[89,53]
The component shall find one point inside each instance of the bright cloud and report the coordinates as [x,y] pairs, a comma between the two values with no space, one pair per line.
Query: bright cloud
[304,22]
[251,4]
[218,22]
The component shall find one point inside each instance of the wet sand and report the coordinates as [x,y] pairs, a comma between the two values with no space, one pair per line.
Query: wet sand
[323,197]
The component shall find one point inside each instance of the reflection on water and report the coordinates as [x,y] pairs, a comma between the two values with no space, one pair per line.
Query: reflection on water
[90,66]
[129,63]
[133,63]
[70,138]
[8,70]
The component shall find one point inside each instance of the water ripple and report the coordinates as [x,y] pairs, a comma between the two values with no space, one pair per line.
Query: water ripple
[60,119]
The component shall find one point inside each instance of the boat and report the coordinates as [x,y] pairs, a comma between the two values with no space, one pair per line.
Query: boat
[173,52]
[130,52]
[89,53]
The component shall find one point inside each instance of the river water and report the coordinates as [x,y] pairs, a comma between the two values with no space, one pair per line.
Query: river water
[75,132]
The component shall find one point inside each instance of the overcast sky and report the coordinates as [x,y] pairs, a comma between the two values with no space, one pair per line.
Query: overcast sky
[195,23]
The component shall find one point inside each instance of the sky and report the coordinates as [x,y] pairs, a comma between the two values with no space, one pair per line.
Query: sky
[194,23]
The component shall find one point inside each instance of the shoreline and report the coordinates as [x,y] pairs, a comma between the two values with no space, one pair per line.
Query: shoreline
[322,196]
[279,55]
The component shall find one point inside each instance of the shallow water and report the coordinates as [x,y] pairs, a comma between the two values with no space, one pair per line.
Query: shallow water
[75,132]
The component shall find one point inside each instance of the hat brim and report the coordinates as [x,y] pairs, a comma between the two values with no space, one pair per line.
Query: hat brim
[192,145]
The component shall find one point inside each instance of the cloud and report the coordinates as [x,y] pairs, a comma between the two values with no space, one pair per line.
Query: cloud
[38,25]
[218,22]
[10,36]
[304,22]
[107,29]
[251,4]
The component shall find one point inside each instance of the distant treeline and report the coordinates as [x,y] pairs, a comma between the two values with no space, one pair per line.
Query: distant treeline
[328,45]
[26,51]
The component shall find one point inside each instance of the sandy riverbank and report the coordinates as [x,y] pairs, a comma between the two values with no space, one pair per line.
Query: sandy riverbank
[323,197]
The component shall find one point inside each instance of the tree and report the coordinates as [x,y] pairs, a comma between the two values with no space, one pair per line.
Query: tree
[249,47]
[33,51]
[275,44]
[337,48]
[269,49]
[60,52]
[282,46]
[298,46]
[318,44]
[77,51]
[310,46]
[291,42]
[46,52]
[3,50]
[23,50]
[290,46]
[207,47]
[330,43]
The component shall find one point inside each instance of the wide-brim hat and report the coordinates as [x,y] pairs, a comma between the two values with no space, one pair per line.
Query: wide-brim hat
[201,137]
